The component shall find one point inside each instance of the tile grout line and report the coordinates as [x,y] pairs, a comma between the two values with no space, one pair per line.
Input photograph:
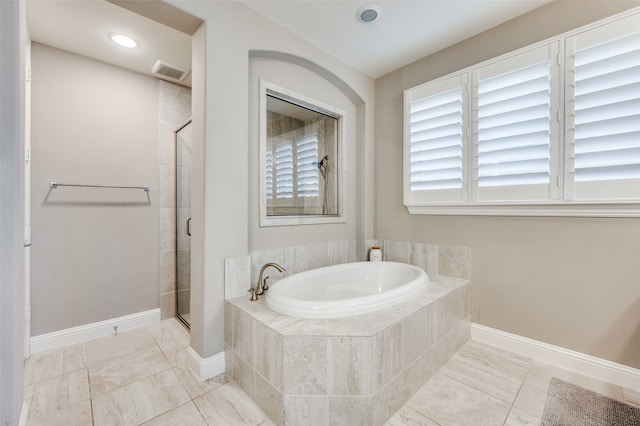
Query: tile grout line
[193,401]
[169,364]
[170,367]
[93,419]
[424,415]
[173,370]
[471,387]
[166,358]
[513,405]
[529,361]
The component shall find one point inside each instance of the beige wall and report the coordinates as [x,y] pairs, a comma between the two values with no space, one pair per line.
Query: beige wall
[95,251]
[571,282]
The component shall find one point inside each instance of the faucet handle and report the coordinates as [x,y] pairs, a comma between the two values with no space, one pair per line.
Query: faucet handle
[265,286]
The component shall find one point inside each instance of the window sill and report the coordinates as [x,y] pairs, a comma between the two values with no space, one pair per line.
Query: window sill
[301,220]
[551,209]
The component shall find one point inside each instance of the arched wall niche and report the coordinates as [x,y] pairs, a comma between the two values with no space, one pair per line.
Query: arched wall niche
[311,66]
[310,79]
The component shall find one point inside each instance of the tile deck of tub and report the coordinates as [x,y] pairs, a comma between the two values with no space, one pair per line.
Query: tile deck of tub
[365,366]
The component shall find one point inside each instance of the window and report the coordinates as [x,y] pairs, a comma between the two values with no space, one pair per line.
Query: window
[302,150]
[493,139]
[514,127]
[435,152]
[604,113]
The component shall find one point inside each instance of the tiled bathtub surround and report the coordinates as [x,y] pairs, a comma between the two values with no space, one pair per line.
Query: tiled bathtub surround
[241,273]
[450,261]
[360,369]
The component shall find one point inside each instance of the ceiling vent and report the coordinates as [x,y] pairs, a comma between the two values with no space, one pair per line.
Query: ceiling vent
[169,71]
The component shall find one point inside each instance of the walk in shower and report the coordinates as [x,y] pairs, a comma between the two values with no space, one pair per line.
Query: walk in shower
[183,222]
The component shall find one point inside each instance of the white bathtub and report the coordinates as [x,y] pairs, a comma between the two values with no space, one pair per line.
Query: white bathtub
[346,290]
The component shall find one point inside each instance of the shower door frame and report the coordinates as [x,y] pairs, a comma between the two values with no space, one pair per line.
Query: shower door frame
[179,316]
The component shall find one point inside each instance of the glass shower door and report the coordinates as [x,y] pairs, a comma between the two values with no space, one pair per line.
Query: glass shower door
[183,222]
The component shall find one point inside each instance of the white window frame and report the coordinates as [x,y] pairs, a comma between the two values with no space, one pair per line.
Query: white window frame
[267,87]
[559,200]
[457,81]
[602,189]
[543,192]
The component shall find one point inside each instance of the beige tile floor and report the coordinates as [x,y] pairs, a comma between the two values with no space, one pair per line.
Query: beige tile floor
[140,377]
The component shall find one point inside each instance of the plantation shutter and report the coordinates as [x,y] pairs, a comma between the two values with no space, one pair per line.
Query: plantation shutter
[514,129]
[604,139]
[293,179]
[307,161]
[284,170]
[435,141]
[269,174]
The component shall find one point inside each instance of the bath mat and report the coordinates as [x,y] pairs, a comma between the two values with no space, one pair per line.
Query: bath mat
[571,405]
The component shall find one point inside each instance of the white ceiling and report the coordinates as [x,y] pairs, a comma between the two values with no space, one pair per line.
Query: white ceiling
[83,27]
[407,30]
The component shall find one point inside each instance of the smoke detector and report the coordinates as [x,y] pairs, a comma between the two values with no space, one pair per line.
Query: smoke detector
[169,71]
[368,14]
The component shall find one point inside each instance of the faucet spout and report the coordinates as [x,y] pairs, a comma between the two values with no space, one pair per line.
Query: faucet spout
[261,285]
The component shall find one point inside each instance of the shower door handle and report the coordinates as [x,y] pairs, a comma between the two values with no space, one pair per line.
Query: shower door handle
[189,227]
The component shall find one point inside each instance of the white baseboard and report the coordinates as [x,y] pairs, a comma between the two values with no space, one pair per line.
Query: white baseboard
[588,365]
[84,333]
[23,414]
[205,368]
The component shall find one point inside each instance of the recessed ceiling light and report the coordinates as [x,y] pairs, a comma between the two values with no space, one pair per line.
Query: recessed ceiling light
[369,13]
[123,40]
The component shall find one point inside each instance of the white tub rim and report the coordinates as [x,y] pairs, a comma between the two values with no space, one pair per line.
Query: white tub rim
[308,309]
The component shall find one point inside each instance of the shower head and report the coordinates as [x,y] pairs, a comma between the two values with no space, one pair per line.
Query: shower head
[320,164]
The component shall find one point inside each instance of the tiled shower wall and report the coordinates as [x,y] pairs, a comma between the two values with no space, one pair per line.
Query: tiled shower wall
[174,111]
[241,272]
